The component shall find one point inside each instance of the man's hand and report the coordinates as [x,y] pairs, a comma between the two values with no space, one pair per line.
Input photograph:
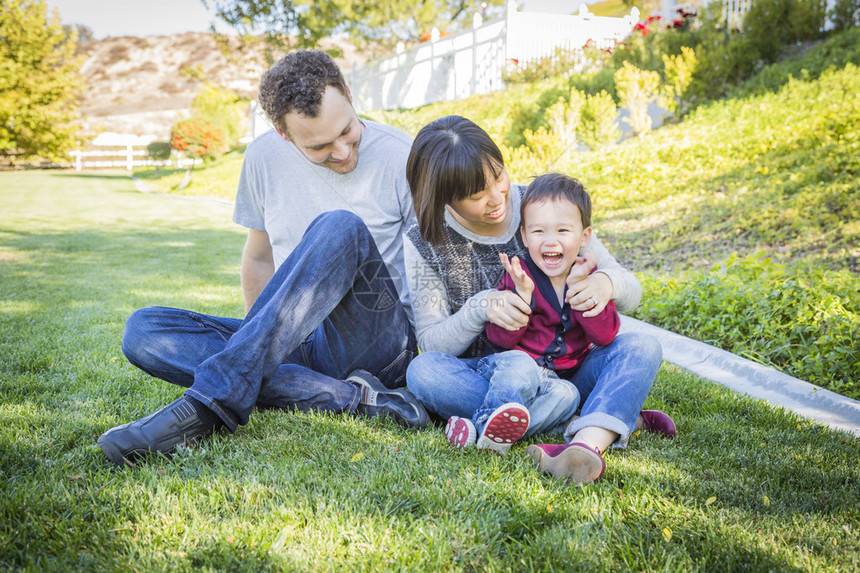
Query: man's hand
[524,284]
[588,292]
[507,310]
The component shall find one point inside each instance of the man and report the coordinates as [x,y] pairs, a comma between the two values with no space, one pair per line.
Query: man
[325,200]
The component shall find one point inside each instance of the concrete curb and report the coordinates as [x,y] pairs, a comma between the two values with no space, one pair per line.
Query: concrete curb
[753,379]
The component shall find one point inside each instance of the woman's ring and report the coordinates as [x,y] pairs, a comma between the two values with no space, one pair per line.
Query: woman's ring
[593,302]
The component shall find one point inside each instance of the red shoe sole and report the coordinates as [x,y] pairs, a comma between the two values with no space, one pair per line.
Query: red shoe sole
[506,425]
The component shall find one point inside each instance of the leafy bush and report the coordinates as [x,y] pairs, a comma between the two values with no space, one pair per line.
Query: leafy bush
[560,64]
[222,108]
[544,147]
[597,128]
[800,319]
[198,138]
[678,73]
[845,14]
[637,90]
[564,118]
[773,24]
[595,82]
[651,39]
[834,53]
[532,116]
[159,150]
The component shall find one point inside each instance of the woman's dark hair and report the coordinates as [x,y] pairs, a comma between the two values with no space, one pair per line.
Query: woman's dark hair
[297,82]
[553,187]
[449,160]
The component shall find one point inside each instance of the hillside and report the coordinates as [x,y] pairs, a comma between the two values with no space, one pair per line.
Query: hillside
[140,85]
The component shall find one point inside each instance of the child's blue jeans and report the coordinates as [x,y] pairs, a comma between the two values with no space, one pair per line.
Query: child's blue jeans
[611,386]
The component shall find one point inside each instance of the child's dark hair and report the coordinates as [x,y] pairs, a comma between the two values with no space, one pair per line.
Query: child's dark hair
[555,186]
[297,82]
[449,161]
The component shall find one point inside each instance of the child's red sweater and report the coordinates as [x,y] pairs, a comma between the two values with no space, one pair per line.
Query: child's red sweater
[556,337]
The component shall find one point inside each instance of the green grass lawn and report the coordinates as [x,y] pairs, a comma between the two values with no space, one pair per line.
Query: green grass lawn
[744,486]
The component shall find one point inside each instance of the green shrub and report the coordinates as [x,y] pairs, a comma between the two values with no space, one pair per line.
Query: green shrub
[564,118]
[651,39]
[678,74]
[596,82]
[531,116]
[521,163]
[773,24]
[637,90]
[834,53]
[159,150]
[845,14]
[222,108]
[800,319]
[560,64]
[597,128]
[544,146]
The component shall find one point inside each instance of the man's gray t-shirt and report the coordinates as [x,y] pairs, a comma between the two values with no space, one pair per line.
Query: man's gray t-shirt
[281,192]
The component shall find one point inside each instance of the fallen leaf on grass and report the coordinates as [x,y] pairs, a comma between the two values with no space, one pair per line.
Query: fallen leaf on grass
[667,534]
[356,457]
[710,500]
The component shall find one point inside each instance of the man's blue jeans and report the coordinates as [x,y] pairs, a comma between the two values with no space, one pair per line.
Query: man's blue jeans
[330,308]
[611,385]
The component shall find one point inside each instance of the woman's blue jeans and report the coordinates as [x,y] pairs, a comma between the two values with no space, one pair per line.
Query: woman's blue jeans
[330,308]
[611,386]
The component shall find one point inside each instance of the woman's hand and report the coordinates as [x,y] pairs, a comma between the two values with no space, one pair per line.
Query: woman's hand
[588,292]
[524,284]
[507,310]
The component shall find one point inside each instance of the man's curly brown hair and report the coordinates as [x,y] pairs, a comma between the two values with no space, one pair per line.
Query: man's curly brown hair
[297,82]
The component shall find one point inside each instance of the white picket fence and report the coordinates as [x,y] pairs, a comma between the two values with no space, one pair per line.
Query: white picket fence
[128,157]
[734,12]
[473,61]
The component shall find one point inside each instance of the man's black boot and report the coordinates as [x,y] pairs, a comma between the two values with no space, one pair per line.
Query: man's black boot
[377,400]
[180,422]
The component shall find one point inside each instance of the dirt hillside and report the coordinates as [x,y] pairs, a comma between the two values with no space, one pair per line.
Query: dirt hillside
[140,86]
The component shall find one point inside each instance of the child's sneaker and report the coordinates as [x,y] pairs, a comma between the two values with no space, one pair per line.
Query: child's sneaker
[576,462]
[460,432]
[657,422]
[507,424]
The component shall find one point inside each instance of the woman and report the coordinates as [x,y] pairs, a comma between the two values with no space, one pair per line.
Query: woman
[468,215]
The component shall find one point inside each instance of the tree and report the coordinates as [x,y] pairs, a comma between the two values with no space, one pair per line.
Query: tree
[39,83]
[223,108]
[385,22]
[159,151]
[198,138]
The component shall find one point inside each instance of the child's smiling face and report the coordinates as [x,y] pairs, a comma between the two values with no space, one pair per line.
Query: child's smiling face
[553,233]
